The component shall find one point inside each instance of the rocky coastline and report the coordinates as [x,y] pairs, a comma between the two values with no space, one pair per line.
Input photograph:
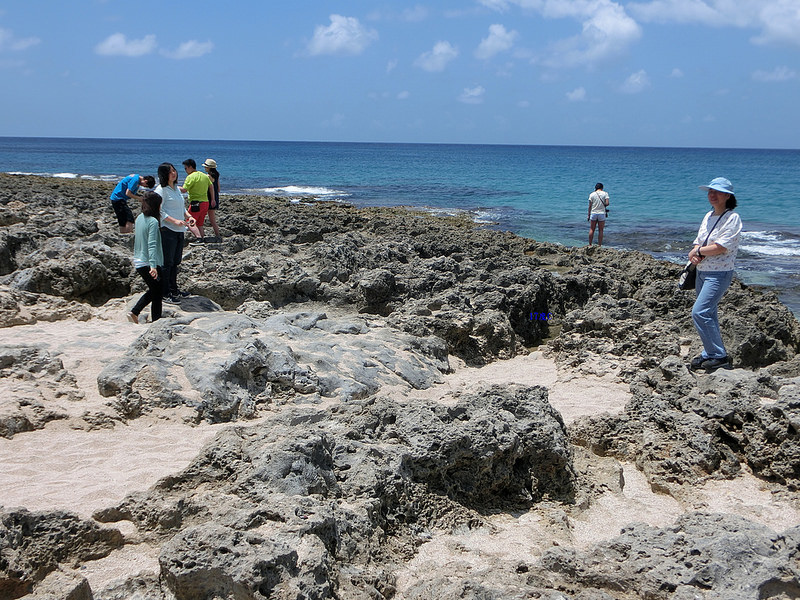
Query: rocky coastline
[318,353]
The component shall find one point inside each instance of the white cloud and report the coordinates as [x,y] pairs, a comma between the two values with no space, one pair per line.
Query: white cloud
[680,11]
[777,75]
[438,58]
[606,29]
[676,73]
[118,45]
[472,95]
[780,22]
[190,49]
[415,14]
[498,40]
[636,82]
[577,95]
[404,95]
[9,41]
[498,5]
[345,35]
[777,20]
[391,66]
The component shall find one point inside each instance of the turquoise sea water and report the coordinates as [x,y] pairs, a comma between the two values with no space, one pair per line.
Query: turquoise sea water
[535,191]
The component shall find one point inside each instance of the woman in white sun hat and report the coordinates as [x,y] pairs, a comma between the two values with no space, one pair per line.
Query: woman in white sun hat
[714,253]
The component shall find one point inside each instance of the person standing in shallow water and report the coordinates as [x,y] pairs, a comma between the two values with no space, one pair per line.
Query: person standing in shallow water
[713,253]
[598,202]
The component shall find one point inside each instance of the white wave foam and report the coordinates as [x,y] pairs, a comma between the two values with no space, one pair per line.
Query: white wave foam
[303,190]
[487,217]
[771,250]
[769,244]
[101,177]
[70,176]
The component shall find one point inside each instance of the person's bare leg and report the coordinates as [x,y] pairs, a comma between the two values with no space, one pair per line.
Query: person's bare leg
[212,217]
[128,228]
[591,231]
[601,225]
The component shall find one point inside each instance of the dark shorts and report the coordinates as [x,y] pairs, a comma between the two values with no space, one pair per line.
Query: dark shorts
[123,212]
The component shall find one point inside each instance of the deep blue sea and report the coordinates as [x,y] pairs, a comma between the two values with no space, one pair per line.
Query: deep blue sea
[535,191]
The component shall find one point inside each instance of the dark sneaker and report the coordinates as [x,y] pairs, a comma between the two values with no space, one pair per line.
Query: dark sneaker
[182,294]
[198,242]
[697,362]
[712,364]
[174,299]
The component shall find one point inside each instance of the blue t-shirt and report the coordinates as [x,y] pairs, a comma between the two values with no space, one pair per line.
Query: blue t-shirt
[131,182]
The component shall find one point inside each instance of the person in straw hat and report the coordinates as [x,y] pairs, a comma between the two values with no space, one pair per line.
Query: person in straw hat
[210,166]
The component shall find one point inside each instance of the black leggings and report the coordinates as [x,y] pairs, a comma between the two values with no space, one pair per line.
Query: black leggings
[153,293]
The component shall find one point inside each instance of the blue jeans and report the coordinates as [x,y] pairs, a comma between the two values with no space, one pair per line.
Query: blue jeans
[711,286]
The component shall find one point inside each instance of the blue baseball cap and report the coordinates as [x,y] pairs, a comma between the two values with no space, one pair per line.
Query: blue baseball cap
[720,184]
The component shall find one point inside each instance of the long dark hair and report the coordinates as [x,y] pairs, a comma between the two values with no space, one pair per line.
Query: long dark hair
[730,203]
[213,172]
[163,173]
[151,204]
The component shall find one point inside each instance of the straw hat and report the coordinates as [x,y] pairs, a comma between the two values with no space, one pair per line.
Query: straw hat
[210,163]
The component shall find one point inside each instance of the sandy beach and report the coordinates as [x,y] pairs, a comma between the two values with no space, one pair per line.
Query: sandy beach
[66,467]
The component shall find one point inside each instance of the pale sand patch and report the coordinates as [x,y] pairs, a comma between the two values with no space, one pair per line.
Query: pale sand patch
[572,395]
[510,540]
[84,347]
[129,561]
[514,539]
[64,467]
[748,496]
[82,471]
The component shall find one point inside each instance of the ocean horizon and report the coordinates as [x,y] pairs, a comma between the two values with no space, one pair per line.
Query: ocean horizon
[538,192]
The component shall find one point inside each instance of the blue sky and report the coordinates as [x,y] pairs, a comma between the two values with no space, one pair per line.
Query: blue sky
[708,73]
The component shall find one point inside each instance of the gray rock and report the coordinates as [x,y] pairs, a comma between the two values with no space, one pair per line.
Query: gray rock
[33,544]
[708,556]
[302,505]
[235,364]
[680,428]
[62,586]
[32,380]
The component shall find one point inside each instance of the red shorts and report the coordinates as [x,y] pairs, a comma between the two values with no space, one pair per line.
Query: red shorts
[200,214]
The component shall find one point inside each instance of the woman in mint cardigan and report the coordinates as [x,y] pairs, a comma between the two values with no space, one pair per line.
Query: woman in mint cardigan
[148,258]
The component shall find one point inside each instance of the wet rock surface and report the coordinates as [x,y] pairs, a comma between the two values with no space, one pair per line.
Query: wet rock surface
[303,318]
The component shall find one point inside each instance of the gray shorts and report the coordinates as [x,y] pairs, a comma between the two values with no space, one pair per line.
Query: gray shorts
[597,217]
